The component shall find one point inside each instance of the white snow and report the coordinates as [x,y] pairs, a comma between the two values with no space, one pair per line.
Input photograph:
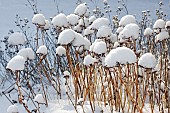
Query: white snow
[148,32]
[88,31]
[100,47]
[112,37]
[87,43]
[72,19]
[81,9]
[42,50]
[38,19]
[92,19]
[130,31]
[159,24]
[121,55]
[60,20]
[47,25]
[162,36]
[66,73]
[16,63]
[100,22]
[84,22]
[12,109]
[93,44]
[167,24]
[78,41]
[66,37]
[116,44]
[16,38]
[104,32]
[27,53]
[39,99]
[89,60]
[147,60]
[119,29]
[127,19]
[60,50]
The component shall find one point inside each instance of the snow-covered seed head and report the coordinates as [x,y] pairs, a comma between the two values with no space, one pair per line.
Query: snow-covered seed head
[60,50]
[92,19]
[147,60]
[130,31]
[27,53]
[167,26]
[127,20]
[38,19]
[120,55]
[104,32]
[89,60]
[100,47]
[148,32]
[100,22]
[12,109]
[16,63]
[42,50]
[81,9]
[66,37]
[39,99]
[16,39]
[159,24]
[162,36]
[66,74]
[47,25]
[72,19]
[60,20]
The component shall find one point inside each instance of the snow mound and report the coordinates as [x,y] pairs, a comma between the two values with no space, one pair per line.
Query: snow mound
[60,20]
[127,20]
[100,22]
[42,50]
[66,37]
[39,99]
[120,55]
[81,9]
[104,31]
[89,60]
[47,25]
[38,19]
[72,19]
[159,24]
[16,63]
[100,47]
[147,60]
[27,53]
[12,109]
[130,31]
[60,50]
[16,39]
[162,36]
[148,32]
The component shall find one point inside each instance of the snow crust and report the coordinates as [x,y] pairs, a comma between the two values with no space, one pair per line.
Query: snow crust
[42,50]
[147,60]
[121,55]
[16,63]
[16,38]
